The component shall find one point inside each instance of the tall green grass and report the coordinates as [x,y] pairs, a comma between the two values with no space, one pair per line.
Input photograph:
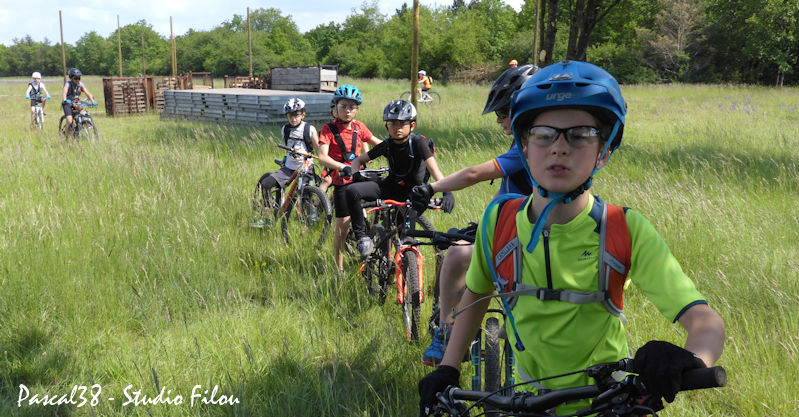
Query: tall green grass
[128,260]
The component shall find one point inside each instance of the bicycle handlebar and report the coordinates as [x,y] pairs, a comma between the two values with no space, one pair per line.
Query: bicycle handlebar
[294,151]
[434,203]
[441,237]
[528,402]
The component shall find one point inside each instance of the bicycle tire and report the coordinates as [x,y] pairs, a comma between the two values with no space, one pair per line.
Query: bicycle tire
[313,216]
[406,95]
[436,98]
[62,127]
[90,128]
[492,356]
[38,119]
[379,266]
[265,202]
[411,306]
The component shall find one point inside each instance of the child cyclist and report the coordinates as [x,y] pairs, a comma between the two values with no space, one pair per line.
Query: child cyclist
[409,157]
[71,93]
[341,141]
[37,93]
[508,166]
[569,118]
[298,135]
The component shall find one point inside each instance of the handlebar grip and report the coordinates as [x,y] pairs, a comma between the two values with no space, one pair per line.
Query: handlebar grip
[704,378]
[422,233]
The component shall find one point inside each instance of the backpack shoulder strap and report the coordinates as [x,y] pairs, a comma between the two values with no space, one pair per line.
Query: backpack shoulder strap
[340,141]
[306,137]
[615,252]
[286,129]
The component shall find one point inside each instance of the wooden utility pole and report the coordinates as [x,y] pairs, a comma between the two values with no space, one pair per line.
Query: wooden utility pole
[143,63]
[63,52]
[536,37]
[249,39]
[415,53]
[174,55]
[119,46]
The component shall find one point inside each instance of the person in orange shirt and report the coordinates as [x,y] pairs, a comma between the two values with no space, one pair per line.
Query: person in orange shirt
[425,82]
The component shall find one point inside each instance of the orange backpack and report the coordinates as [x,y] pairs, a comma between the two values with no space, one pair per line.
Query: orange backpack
[615,251]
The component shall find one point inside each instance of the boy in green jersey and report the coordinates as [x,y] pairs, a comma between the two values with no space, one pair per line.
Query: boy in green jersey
[568,119]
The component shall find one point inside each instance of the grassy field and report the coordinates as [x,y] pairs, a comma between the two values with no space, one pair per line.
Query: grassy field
[127,261]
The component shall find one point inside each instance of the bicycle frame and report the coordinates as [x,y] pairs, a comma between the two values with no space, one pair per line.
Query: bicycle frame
[384,209]
[295,183]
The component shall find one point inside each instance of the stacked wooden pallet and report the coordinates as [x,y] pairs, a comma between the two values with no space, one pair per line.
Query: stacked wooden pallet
[240,105]
[126,95]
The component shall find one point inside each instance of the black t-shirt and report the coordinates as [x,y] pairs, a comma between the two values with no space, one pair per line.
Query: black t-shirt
[403,169]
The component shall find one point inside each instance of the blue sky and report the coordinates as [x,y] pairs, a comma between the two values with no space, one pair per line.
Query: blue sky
[18,18]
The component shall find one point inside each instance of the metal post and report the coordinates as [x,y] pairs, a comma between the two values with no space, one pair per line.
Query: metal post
[143,63]
[63,52]
[415,52]
[174,55]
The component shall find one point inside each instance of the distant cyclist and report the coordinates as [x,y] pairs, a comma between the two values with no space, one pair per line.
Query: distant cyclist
[37,93]
[424,81]
[71,93]
[513,63]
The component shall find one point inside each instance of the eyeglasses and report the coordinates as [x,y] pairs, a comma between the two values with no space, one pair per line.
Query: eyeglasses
[576,136]
[76,78]
[295,114]
[502,113]
[348,107]
[398,123]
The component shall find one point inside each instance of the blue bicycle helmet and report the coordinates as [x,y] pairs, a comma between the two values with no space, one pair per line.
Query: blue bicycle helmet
[347,91]
[568,85]
[572,84]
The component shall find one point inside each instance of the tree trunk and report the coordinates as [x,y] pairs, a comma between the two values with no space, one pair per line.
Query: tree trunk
[589,21]
[548,40]
[576,27]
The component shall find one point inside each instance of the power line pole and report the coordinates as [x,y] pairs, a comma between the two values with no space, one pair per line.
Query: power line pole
[119,46]
[63,52]
[249,39]
[415,52]
[174,55]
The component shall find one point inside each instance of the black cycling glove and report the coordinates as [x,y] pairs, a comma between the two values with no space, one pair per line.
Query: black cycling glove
[661,365]
[346,171]
[420,197]
[448,202]
[432,384]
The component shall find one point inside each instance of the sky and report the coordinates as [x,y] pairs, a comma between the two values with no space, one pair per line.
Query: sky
[18,18]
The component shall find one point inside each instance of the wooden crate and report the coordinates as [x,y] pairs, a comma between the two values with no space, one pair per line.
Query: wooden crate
[319,78]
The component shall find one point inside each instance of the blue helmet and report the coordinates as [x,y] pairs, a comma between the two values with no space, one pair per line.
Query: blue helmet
[349,92]
[572,84]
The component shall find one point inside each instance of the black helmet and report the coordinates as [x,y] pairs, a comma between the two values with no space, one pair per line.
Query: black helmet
[74,72]
[504,86]
[399,110]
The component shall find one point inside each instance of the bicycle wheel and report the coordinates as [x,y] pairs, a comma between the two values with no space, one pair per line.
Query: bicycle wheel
[406,96]
[432,98]
[378,267]
[88,128]
[38,120]
[491,360]
[313,217]
[411,306]
[265,202]
[62,127]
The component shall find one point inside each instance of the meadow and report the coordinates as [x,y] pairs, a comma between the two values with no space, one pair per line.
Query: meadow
[127,263]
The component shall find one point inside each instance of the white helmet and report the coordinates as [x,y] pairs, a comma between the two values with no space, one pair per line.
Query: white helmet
[422,72]
[293,105]
[36,75]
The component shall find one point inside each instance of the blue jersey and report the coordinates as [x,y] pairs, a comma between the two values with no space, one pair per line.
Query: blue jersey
[514,178]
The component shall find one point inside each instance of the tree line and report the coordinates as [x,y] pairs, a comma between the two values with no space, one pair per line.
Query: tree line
[639,41]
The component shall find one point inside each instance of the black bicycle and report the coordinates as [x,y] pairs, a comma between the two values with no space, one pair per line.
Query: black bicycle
[490,354]
[83,126]
[609,397]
